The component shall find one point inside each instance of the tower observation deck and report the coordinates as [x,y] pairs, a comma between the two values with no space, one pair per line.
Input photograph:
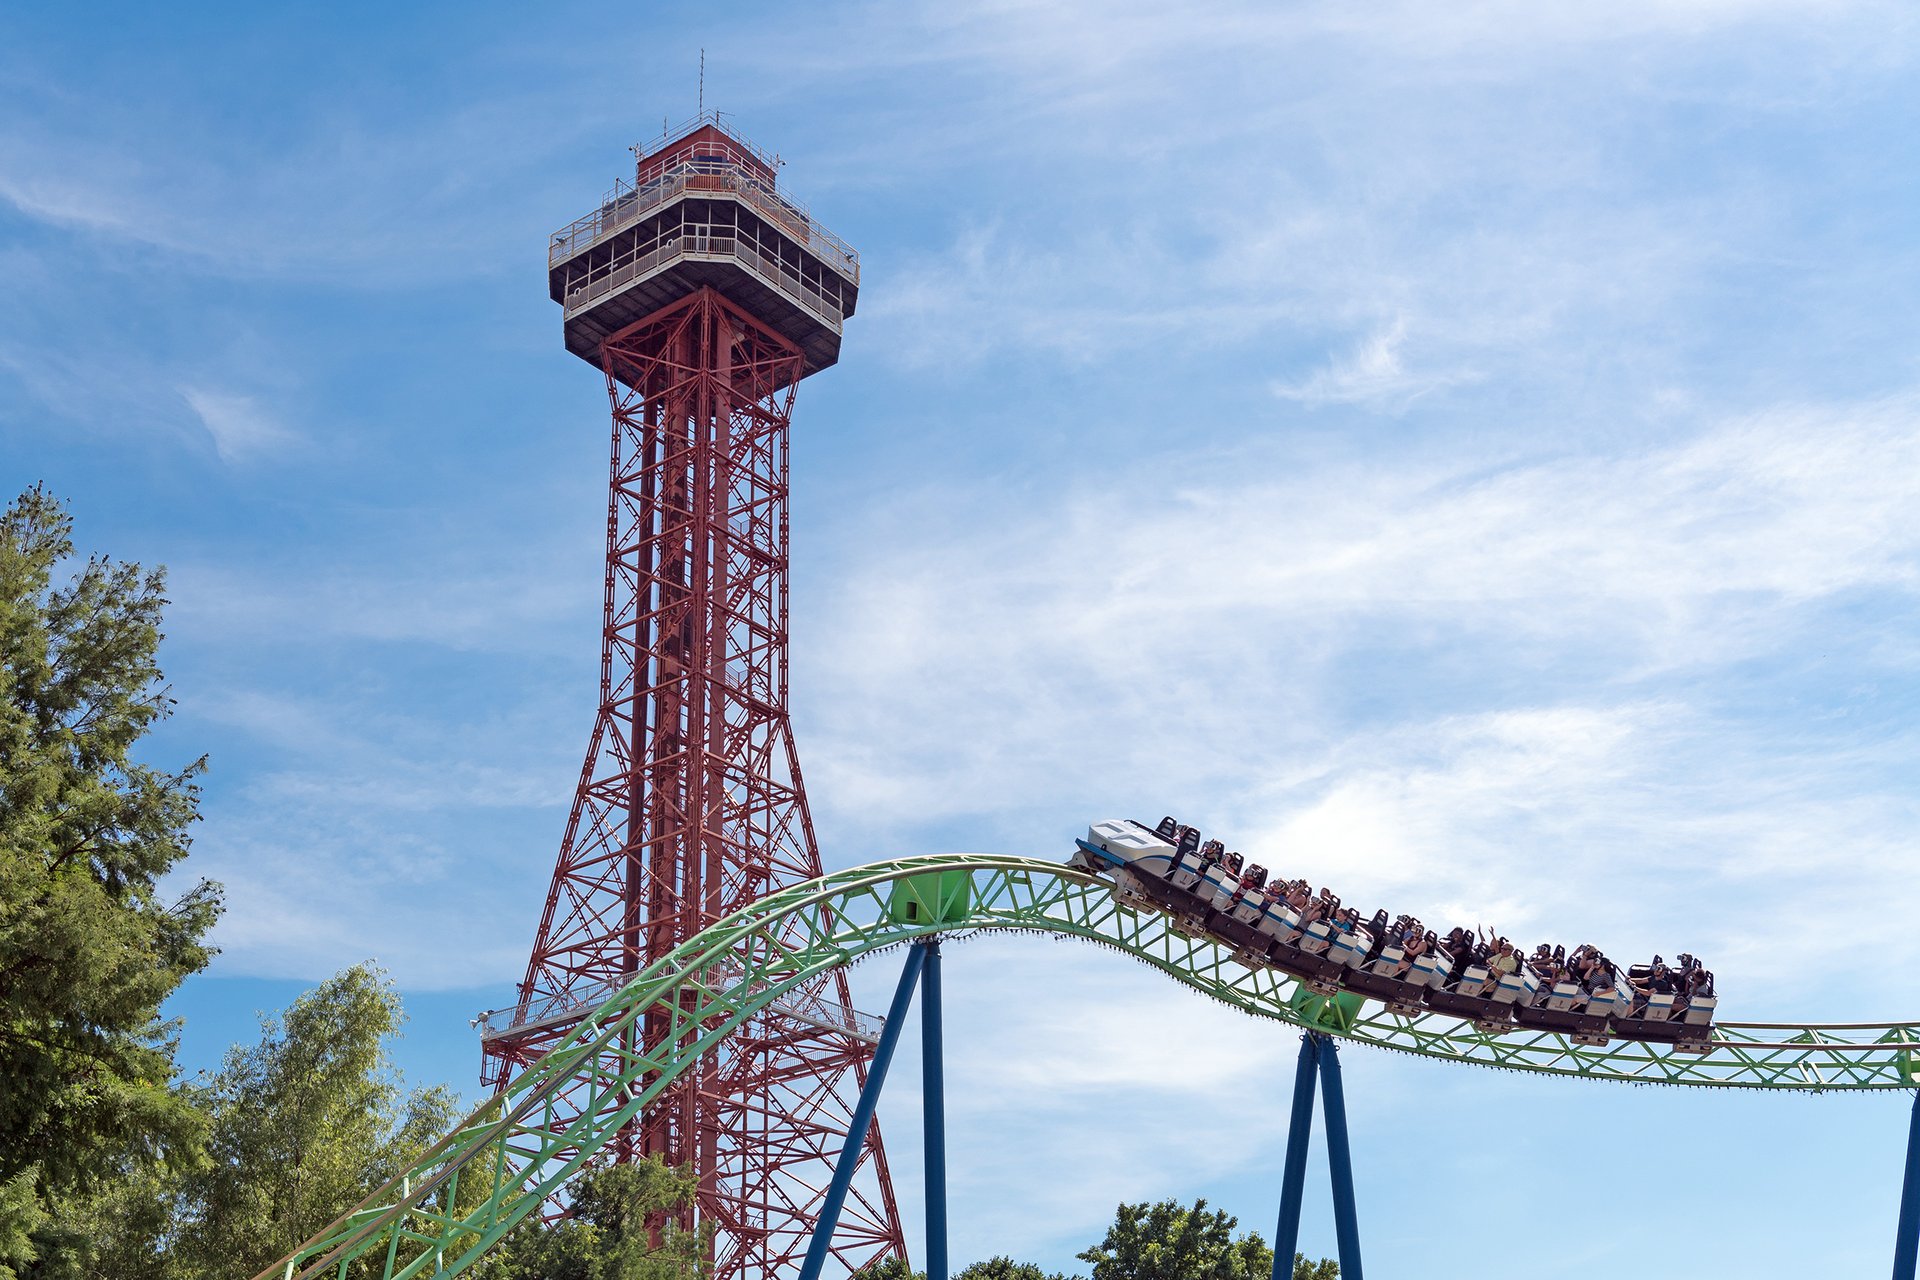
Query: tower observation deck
[703,209]
[703,294]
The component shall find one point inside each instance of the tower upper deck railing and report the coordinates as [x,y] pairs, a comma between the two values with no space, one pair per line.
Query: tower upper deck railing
[627,202]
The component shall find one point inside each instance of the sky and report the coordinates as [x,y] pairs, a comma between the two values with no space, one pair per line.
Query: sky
[1468,454]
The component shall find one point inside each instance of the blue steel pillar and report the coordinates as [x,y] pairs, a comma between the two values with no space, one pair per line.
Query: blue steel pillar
[1346,1219]
[1906,1244]
[820,1245]
[1293,1177]
[933,1090]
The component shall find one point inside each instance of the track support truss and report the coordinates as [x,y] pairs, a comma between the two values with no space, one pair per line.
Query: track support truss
[1319,1057]
[1906,1244]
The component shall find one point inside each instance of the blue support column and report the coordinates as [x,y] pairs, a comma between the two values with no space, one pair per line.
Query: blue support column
[1906,1244]
[934,1092]
[822,1242]
[1293,1177]
[1346,1219]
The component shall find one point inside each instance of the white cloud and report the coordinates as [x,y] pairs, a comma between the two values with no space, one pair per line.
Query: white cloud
[51,198]
[1375,220]
[241,429]
[343,192]
[419,759]
[1374,372]
[1143,587]
[1469,186]
[496,594]
[1498,692]
[341,826]
[1046,1041]
[1064,48]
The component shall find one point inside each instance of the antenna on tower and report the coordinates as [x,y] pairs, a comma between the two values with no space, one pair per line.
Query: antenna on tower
[703,82]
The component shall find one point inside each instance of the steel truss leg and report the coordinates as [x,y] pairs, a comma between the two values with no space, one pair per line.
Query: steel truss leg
[1346,1220]
[1906,1244]
[933,1088]
[862,1120]
[1293,1179]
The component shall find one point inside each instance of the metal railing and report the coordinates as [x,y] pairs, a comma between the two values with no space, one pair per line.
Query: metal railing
[772,272]
[570,1006]
[718,119]
[552,1008]
[812,1008]
[627,204]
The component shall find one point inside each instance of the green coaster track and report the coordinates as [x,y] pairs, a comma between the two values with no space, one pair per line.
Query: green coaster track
[510,1155]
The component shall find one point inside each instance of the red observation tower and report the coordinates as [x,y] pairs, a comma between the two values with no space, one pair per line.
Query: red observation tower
[704,295]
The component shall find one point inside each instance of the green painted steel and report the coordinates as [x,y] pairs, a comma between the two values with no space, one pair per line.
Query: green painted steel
[476,1183]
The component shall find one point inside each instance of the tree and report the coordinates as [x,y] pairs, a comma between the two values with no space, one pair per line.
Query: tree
[303,1125]
[1004,1268]
[607,1237]
[888,1269]
[308,1121]
[1148,1242]
[1165,1241]
[1000,1268]
[89,946]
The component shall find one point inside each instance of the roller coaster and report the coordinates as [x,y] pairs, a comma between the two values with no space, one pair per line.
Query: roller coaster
[440,1216]
[1480,977]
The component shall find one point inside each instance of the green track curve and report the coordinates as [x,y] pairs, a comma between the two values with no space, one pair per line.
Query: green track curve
[476,1183]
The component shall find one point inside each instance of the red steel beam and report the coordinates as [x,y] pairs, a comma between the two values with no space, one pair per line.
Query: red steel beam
[690,804]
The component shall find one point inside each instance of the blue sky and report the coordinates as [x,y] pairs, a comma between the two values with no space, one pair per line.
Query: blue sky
[1468,453]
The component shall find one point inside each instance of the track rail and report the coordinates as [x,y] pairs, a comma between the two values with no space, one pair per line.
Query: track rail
[475,1184]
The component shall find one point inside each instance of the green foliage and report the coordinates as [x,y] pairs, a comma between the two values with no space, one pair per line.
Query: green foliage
[120,1230]
[89,946]
[303,1125]
[608,1236]
[1167,1242]
[888,1269]
[21,1217]
[1162,1241]
[300,1127]
[1000,1268]
[1005,1268]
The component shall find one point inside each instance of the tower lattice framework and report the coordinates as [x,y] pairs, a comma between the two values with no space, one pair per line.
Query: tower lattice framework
[690,803]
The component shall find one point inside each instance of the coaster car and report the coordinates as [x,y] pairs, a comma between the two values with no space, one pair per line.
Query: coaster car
[1470,996]
[1392,979]
[1211,891]
[1567,1006]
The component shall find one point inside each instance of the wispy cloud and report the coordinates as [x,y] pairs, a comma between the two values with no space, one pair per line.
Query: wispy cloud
[1476,691]
[370,188]
[1053,1051]
[418,763]
[489,597]
[1374,372]
[241,428]
[1274,180]
[343,826]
